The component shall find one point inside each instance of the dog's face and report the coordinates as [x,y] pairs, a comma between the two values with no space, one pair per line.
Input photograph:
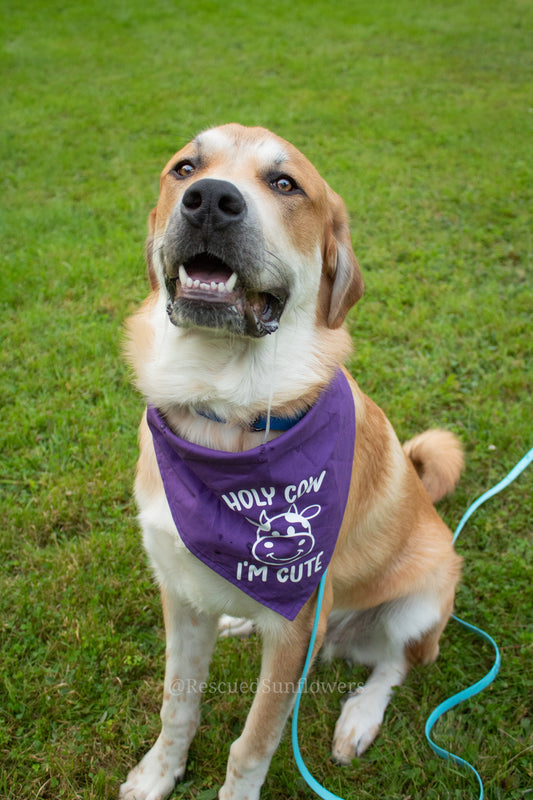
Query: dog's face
[245,230]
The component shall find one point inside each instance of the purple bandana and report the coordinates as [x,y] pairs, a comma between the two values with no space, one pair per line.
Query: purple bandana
[266,519]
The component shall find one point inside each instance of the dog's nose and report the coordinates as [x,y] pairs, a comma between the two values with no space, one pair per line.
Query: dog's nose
[212,204]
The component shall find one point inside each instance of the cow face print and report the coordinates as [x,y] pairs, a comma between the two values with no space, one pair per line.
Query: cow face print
[286,537]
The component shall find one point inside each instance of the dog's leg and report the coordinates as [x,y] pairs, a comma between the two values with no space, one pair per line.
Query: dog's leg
[190,640]
[281,669]
[391,638]
[362,714]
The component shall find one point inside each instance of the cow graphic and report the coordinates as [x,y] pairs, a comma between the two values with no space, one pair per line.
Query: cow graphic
[284,538]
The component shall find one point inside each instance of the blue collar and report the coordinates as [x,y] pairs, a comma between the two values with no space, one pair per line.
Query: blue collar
[260,423]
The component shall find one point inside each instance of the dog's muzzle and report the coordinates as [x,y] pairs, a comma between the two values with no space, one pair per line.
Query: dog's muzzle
[217,273]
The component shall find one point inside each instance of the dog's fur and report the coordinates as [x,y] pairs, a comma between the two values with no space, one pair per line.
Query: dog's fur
[391,581]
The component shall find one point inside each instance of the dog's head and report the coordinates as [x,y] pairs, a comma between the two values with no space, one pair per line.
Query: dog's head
[246,229]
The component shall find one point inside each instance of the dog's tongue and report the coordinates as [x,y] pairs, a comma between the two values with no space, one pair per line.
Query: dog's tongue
[207,269]
[206,275]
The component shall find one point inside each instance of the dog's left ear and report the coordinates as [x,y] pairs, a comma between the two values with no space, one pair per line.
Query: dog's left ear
[149,249]
[341,269]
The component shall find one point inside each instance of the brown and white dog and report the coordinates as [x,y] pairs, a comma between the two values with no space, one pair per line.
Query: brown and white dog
[247,239]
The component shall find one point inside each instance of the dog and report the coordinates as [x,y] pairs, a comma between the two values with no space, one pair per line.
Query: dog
[252,273]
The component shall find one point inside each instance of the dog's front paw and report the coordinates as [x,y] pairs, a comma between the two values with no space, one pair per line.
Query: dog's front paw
[239,790]
[140,786]
[155,776]
[356,728]
[245,773]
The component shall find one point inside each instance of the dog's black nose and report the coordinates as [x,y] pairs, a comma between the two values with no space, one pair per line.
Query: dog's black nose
[211,204]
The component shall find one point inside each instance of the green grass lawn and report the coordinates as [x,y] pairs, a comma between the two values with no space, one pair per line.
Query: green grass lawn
[421,116]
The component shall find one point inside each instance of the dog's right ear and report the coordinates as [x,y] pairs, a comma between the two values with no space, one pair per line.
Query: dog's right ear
[154,283]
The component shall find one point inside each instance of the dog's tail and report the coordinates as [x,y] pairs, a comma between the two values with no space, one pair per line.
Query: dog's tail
[437,456]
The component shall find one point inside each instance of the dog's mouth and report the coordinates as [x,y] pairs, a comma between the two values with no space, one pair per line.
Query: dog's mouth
[207,292]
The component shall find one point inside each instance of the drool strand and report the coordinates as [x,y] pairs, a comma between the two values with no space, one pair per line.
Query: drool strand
[271,392]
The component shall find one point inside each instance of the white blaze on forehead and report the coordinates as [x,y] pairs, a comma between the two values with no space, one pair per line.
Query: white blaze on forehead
[267,150]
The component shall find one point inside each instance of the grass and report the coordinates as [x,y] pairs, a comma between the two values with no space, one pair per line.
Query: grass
[420,116]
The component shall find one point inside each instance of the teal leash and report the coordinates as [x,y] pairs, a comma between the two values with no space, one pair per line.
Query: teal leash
[465,694]
[317,787]
[441,709]
[477,687]
[514,473]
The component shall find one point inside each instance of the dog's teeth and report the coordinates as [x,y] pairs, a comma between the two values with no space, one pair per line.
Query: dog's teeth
[214,286]
[183,276]
[230,283]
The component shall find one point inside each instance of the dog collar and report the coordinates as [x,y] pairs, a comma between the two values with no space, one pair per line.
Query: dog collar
[265,519]
[260,423]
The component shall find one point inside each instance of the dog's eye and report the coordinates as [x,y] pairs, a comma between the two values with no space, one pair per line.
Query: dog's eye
[183,169]
[285,184]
